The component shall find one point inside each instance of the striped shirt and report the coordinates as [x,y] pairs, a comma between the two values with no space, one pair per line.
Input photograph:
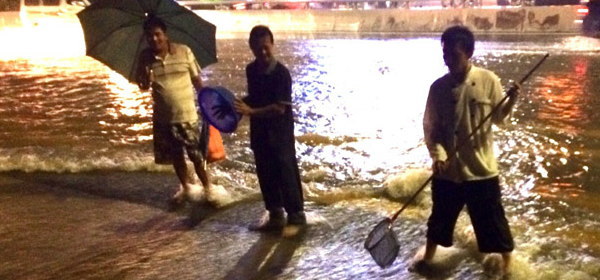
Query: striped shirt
[173,92]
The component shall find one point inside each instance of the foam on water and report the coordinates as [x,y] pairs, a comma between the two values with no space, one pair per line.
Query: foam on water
[319,193]
[10,161]
[525,265]
[314,139]
[405,184]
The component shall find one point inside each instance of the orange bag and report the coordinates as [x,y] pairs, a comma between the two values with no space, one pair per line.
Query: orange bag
[216,150]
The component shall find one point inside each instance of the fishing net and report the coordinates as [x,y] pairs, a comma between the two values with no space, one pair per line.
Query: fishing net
[382,243]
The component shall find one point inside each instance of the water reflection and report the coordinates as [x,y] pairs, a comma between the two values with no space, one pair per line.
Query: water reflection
[265,259]
[52,39]
[378,101]
[129,102]
[359,105]
[562,100]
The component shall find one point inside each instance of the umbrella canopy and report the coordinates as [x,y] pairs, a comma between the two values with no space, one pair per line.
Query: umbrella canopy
[114,35]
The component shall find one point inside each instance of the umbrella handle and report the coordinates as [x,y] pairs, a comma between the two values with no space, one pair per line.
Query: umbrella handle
[462,143]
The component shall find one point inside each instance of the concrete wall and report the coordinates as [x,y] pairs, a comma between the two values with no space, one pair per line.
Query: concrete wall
[546,19]
[540,19]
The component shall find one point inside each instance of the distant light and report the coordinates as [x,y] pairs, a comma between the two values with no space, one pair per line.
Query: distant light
[239,6]
[583,11]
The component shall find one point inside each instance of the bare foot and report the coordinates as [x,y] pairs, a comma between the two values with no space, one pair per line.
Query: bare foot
[293,230]
[267,222]
[177,200]
[421,266]
[492,265]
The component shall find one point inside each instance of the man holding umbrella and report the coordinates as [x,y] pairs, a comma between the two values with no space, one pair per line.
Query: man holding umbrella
[172,72]
[132,37]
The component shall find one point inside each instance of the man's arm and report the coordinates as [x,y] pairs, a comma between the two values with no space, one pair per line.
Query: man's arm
[431,130]
[505,109]
[194,68]
[513,94]
[197,82]
[143,78]
[284,88]
[270,110]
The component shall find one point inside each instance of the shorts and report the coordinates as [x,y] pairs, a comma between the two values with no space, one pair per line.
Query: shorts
[483,200]
[170,141]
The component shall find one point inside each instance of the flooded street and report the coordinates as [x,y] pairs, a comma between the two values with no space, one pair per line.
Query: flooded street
[80,196]
[62,232]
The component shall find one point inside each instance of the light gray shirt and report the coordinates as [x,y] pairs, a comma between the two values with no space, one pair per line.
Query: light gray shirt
[452,112]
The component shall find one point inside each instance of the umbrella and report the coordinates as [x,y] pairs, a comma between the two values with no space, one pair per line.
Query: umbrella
[114,35]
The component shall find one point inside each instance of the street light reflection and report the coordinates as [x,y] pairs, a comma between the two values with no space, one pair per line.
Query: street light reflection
[49,40]
[60,46]
[362,92]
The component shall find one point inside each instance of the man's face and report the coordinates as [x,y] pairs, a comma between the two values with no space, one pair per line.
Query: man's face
[262,48]
[157,39]
[455,58]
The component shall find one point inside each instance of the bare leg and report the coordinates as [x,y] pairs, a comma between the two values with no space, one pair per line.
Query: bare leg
[430,249]
[202,174]
[182,173]
[181,170]
[422,264]
[212,194]
[507,258]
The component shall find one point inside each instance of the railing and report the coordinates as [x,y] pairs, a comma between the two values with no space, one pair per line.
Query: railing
[344,4]
[365,4]
[321,4]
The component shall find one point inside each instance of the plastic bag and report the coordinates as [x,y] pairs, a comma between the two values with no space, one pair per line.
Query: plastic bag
[215,150]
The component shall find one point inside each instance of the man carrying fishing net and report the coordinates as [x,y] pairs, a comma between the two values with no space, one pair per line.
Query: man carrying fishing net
[460,143]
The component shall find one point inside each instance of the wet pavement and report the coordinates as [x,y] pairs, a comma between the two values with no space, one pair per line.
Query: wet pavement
[52,229]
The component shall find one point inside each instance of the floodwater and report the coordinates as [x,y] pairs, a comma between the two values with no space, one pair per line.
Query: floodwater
[80,197]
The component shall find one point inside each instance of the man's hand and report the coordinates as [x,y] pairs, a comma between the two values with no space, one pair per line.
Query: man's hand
[243,108]
[438,166]
[145,78]
[514,91]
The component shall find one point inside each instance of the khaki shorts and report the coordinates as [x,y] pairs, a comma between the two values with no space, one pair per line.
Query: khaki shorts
[170,140]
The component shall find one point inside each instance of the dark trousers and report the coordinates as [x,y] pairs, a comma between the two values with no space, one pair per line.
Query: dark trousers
[279,179]
[483,200]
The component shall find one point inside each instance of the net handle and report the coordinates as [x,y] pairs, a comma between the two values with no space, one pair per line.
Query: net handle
[462,143]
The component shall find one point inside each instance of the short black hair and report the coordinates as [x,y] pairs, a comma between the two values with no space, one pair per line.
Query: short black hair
[152,22]
[258,32]
[462,35]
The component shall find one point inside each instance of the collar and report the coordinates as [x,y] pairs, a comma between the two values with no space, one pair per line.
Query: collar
[466,77]
[170,51]
[271,67]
